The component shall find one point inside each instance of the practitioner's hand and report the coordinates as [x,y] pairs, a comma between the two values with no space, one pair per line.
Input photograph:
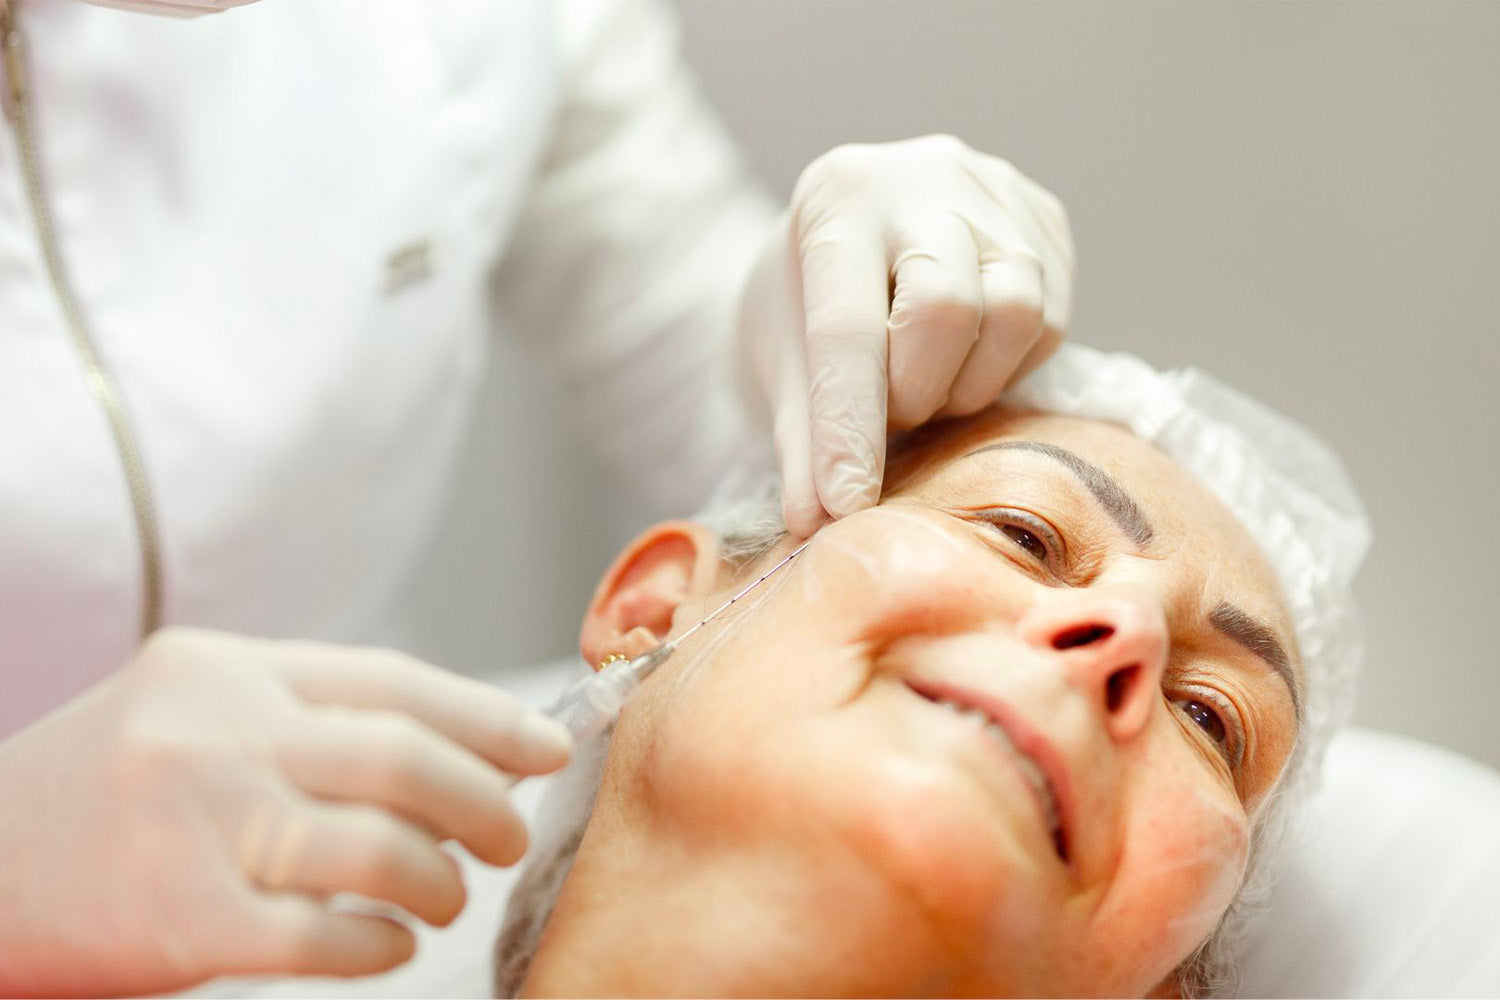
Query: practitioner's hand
[192,815]
[908,280]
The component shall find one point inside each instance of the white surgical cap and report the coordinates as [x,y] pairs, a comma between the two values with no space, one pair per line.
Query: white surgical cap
[1282,483]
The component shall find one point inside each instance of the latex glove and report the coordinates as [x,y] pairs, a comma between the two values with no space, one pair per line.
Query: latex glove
[907,280]
[191,815]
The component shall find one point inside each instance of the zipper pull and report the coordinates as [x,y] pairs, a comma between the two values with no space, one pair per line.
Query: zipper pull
[13,54]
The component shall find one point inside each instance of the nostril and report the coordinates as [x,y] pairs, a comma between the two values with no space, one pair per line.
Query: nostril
[1081,635]
[1118,686]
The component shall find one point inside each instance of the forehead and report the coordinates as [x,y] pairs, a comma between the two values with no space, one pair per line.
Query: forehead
[1191,526]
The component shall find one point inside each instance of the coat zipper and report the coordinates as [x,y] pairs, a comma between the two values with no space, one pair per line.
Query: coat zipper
[101,381]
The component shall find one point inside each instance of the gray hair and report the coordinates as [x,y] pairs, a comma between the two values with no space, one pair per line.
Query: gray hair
[1282,484]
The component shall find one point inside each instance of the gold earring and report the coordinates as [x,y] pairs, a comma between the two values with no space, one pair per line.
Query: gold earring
[611,658]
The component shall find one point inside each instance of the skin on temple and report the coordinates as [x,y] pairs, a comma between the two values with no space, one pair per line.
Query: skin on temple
[788,808]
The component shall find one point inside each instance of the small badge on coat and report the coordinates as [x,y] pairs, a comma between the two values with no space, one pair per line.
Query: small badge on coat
[407,265]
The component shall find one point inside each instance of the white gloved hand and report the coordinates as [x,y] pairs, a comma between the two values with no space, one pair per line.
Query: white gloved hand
[922,276]
[191,815]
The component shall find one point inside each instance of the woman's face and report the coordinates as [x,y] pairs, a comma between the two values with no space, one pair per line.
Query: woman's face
[1036,696]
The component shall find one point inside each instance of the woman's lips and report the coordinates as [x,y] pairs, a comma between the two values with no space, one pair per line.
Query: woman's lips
[1033,753]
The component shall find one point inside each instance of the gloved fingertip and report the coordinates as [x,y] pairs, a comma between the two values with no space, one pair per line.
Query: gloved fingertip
[802,519]
[545,738]
[854,504]
[851,493]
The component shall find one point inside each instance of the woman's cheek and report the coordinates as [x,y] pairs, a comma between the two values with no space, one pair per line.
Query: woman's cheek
[901,569]
[867,549]
[723,736]
[805,638]
[705,738]
[1184,857]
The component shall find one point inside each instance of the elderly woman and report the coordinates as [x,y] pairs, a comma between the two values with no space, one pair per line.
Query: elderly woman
[1028,727]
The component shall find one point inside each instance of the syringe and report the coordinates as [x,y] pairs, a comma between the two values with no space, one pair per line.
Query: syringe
[593,702]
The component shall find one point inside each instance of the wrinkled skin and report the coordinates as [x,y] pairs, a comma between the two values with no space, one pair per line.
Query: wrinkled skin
[787,808]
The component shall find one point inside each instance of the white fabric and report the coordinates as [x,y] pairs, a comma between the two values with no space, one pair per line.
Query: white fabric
[285,225]
[1393,887]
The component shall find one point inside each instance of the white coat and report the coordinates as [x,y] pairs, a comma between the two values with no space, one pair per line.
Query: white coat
[292,228]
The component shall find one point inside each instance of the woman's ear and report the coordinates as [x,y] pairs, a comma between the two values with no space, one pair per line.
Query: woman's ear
[638,596]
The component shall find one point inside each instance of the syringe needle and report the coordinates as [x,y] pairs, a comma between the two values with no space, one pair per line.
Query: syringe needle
[590,704]
[756,583]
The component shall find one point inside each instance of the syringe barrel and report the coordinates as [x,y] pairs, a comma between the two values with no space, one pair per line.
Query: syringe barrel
[587,706]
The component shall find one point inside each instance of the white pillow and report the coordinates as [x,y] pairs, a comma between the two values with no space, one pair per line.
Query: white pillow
[1394,887]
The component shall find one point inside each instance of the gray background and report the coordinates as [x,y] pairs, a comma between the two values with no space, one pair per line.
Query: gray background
[1300,199]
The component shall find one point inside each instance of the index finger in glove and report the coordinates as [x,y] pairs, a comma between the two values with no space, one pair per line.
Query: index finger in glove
[391,760]
[491,722]
[845,300]
[781,361]
[1021,216]
[935,318]
[321,849]
[1012,325]
[298,936]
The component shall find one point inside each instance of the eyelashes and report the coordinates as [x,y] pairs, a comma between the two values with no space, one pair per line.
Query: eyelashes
[1209,713]
[1216,718]
[1034,536]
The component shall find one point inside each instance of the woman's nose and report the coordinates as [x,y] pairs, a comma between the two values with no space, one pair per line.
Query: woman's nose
[1111,646]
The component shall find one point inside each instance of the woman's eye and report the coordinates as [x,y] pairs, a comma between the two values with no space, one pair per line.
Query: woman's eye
[1033,545]
[1206,718]
[1217,718]
[1032,534]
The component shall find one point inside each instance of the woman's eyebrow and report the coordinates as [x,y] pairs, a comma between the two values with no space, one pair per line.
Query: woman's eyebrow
[1250,632]
[1118,504]
[1256,636]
